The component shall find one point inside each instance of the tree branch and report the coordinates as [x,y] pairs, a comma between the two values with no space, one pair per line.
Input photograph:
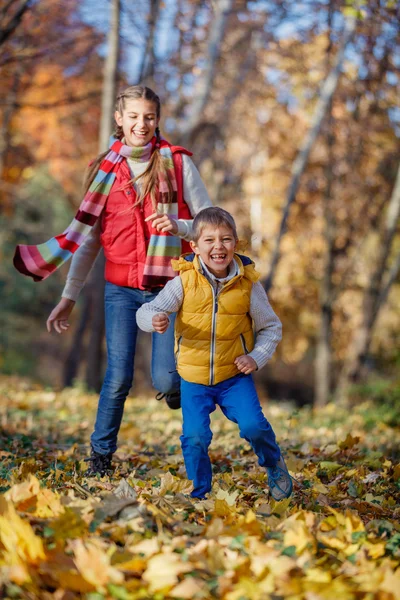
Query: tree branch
[14,22]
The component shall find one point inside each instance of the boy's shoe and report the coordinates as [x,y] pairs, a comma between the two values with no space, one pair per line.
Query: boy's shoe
[279,481]
[99,464]
[173,400]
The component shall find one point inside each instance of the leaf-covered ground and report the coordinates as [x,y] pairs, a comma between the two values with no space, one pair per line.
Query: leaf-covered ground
[138,535]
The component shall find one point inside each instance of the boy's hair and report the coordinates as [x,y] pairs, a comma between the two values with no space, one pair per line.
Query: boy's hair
[215,217]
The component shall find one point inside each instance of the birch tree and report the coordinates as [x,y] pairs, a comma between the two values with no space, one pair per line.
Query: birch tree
[380,281]
[94,291]
[300,163]
[222,8]
[323,358]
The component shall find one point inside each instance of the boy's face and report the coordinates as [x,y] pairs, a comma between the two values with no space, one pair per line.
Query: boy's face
[216,247]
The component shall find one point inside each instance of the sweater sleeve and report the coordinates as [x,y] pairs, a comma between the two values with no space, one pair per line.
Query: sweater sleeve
[82,263]
[267,326]
[195,195]
[169,300]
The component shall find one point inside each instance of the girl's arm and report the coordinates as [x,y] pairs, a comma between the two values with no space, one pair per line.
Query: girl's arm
[267,325]
[195,196]
[82,263]
[168,301]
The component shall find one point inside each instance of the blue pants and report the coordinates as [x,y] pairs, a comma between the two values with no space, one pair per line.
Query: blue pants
[121,304]
[239,402]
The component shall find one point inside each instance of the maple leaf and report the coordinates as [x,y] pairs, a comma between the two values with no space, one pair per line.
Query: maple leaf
[94,564]
[163,570]
[170,483]
[21,546]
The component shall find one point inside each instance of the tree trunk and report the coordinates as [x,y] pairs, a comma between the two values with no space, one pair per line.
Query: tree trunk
[375,297]
[94,290]
[323,357]
[204,86]
[299,165]
[147,66]
[5,130]
[94,365]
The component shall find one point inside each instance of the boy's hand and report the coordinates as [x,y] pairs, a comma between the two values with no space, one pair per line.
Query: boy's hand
[245,364]
[160,322]
[163,223]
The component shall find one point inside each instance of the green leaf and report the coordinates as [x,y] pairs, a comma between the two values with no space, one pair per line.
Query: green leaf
[289,551]
[119,592]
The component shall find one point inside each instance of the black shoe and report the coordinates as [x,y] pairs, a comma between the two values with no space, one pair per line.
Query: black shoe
[99,464]
[173,400]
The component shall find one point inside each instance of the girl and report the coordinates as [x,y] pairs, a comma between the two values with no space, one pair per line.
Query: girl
[141,197]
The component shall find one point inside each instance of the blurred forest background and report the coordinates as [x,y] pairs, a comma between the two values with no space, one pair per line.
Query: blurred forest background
[291,110]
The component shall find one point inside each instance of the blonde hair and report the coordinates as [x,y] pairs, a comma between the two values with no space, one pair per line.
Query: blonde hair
[215,217]
[150,177]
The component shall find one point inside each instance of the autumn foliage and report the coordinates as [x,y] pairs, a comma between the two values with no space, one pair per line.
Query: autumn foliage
[138,535]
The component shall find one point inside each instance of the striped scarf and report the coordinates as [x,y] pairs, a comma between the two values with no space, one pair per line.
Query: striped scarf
[40,261]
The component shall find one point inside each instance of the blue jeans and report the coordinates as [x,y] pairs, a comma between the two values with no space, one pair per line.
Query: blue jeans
[239,402]
[121,304]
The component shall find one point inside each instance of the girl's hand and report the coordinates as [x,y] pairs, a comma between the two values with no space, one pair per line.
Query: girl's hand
[245,364]
[59,316]
[163,223]
[160,322]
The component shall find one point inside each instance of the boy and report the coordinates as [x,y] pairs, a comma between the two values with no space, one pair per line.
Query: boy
[219,302]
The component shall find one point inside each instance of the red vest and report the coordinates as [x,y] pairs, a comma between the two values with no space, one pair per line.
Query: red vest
[124,233]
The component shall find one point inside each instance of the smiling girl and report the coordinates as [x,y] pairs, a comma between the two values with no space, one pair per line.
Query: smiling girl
[141,196]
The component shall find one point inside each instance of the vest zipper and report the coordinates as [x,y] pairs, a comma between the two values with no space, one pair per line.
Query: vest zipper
[213,335]
[243,343]
[178,349]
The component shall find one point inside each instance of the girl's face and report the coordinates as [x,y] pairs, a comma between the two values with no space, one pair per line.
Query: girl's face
[138,121]
[216,247]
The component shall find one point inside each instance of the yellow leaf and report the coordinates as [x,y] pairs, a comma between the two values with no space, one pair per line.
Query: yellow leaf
[376,550]
[230,499]
[318,575]
[94,564]
[169,483]
[245,588]
[279,508]
[23,495]
[320,487]
[391,582]
[146,547]
[349,442]
[48,504]
[163,570]
[18,574]
[69,525]
[351,549]
[18,538]
[332,542]
[135,565]
[299,536]
[71,580]
[396,472]
[188,588]
[222,508]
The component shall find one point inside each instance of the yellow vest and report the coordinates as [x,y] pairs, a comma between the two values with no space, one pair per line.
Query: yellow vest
[210,331]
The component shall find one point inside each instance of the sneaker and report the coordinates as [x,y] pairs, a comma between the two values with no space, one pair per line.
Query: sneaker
[99,464]
[173,400]
[279,481]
